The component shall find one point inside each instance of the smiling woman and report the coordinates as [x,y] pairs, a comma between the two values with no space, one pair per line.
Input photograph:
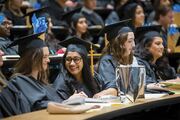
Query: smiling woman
[76,75]
[5,27]
[149,50]
[31,72]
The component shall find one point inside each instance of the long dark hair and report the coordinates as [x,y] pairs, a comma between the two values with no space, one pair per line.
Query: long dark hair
[117,49]
[74,21]
[142,49]
[130,12]
[86,72]
[31,59]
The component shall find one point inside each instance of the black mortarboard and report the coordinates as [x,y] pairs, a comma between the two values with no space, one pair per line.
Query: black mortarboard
[39,13]
[28,42]
[147,32]
[78,44]
[20,29]
[60,32]
[126,11]
[94,29]
[68,15]
[103,12]
[112,30]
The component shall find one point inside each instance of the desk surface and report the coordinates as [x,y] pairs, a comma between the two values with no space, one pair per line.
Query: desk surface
[105,113]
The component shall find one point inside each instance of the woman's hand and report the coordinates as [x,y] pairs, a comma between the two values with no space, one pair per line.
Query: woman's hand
[80,94]
[109,91]
[98,95]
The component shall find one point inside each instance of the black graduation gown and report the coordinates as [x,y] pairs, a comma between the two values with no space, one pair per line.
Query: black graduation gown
[12,102]
[93,18]
[107,68]
[66,85]
[37,94]
[112,18]
[16,20]
[55,11]
[4,42]
[150,71]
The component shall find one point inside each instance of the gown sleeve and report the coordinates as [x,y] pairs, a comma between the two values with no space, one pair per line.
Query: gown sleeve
[150,74]
[62,86]
[107,68]
[104,84]
[12,102]
[36,93]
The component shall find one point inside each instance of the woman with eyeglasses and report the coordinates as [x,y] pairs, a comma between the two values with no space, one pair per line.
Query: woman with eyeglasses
[76,75]
[31,73]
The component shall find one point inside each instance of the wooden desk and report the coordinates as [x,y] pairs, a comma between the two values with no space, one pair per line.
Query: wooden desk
[104,114]
[12,59]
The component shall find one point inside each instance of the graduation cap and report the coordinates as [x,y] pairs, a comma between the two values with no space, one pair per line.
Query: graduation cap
[38,20]
[28,42]
[60,32]
[68,15]
[83,45]
[19,29]
[112,30]
[38,12]
[147,32]
[76,44]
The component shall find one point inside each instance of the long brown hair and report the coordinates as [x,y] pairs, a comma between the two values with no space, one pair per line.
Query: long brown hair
[30,60]
[117,49]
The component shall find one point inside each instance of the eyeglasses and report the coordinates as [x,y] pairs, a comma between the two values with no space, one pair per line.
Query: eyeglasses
[75,59]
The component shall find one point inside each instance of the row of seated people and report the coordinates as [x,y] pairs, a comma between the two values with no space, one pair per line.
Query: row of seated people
[76,19]
[29,82]
[124,10]
[53,47]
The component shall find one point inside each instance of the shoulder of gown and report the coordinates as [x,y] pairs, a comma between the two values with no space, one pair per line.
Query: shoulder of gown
[12,101]
[37,94]
[107,66]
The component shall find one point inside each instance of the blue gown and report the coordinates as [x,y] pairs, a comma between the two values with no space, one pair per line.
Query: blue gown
[107,68]
[4,42]
[66,85]
[37,94]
